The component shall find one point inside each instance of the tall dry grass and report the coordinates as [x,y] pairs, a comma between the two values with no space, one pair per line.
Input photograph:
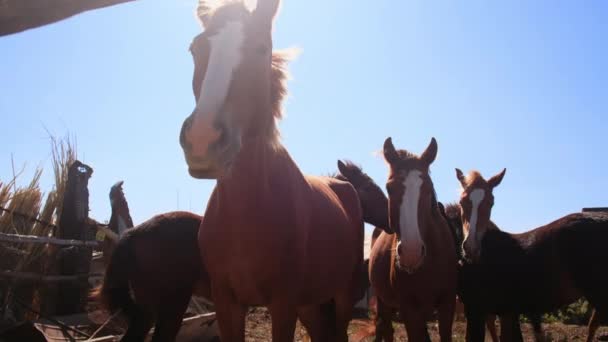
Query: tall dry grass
[23,204]
[29,212]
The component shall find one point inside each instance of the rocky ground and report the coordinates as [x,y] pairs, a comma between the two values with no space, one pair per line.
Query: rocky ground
[258,329]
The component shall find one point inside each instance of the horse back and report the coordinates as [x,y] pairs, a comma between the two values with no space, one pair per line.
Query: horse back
[539,270]
[166,254]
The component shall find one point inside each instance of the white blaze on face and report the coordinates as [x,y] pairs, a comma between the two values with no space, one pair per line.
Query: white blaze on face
[408,220]
[224,57]
[476,197]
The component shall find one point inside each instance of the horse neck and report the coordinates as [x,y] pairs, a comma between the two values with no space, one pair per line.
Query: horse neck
[436,232]
[262,167]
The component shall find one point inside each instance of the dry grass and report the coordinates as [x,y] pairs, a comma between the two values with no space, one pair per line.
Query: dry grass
[29,212]
[27,200]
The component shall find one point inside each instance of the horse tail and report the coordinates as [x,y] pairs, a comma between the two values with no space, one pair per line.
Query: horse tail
[114,293]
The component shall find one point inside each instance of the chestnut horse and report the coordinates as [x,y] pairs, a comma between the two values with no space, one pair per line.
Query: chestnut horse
[271,236]
[159,261]
[414,270]
[533,272]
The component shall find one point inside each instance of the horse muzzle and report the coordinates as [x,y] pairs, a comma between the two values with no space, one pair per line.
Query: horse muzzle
[410,260]
[208,157]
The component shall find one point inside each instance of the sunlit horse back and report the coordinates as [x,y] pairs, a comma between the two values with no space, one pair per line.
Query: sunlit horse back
[271,236]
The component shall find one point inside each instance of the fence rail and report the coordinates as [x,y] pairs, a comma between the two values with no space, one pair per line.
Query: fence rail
[35,277]
[44,240]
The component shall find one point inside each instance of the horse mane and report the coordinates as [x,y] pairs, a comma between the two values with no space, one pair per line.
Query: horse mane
[206,9]
[359,177]
[355,169]
[406,155]
[452,211]
[473,178]
[452,216]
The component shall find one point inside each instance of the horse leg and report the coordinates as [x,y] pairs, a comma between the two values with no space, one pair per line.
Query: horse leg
[283,317]
[491,326]
[476,330]
[536,321]
[594,323]
[170,316]
[446,318]
[344,304]
[314,323]
[139,326]
[510,329]
[384,322]
[415,324]
[230,314]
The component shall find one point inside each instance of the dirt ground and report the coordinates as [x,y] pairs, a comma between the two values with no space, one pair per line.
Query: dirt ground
[258,329]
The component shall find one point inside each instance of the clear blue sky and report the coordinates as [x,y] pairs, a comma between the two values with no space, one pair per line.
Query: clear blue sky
[515,84]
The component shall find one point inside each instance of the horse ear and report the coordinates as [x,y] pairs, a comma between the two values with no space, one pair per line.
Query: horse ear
[429,155]
[266,10]
[460,177]
[494,181]
[343,169]
[390,154]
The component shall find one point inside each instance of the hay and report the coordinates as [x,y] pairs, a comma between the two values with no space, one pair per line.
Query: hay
[25,214]
[28,200]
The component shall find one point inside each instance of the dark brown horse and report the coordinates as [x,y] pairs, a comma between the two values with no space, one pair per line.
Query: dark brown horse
[533,272]
[159,262]
[374,202]
[415,269]
[452,213]
[271,236]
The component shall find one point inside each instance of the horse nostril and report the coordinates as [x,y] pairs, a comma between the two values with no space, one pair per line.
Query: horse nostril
[423,251]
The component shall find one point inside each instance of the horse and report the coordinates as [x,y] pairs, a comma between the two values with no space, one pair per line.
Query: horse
[452,214]
[271,236]
[374,202]
[415,269]
[533,272]
[159,261]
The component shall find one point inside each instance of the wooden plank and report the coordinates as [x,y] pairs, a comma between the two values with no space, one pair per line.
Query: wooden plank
[45,240]
[20,15]
[28,276]
[54,333]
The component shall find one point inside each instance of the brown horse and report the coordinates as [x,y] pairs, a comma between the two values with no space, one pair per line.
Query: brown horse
[533,272]
[159,262]
[414,270]
[271,236]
